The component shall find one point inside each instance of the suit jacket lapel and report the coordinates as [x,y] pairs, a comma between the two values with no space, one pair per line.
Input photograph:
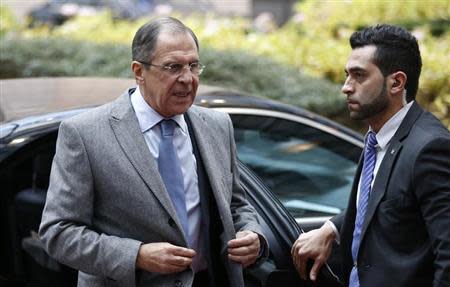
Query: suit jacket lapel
[387,165]
[125,126]
[205,143]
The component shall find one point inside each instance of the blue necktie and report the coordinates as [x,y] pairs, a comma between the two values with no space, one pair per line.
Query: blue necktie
[170,171]
[370,155]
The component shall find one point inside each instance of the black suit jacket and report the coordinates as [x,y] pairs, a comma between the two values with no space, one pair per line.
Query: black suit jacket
[406,233]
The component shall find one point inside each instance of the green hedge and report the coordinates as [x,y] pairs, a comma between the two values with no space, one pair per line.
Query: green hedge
[44,57]
[57,56]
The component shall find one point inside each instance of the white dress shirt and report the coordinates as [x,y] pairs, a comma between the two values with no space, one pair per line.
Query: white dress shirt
[148,120]
[383,137]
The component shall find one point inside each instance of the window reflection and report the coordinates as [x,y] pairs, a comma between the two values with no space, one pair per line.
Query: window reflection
[309,170]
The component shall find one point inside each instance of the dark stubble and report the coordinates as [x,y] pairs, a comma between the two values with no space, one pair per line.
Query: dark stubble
[377,105]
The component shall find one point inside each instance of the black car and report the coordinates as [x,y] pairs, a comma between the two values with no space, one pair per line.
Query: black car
[296,168]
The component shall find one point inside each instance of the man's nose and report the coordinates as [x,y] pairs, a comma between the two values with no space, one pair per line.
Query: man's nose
[347,88]
[185,76]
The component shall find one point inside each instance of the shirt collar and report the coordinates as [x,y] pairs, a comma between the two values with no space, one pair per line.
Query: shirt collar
[148,117]
[389,129]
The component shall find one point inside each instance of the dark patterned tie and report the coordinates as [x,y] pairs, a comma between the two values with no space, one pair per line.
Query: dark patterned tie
[370,155]
[170,171]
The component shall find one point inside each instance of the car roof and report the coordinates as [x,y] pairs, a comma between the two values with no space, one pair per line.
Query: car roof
[29,97]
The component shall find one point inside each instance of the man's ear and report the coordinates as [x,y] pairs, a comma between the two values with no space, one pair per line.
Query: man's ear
[137,69]
[397,82]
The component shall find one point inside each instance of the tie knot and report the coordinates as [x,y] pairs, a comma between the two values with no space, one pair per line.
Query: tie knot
[371,140]
[167,127]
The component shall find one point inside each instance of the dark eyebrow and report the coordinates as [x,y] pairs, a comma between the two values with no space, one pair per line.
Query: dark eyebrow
[354,70]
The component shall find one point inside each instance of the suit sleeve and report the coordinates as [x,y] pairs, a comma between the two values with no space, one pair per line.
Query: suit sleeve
[244,215]
[66,227]
[338,220]
[432,186]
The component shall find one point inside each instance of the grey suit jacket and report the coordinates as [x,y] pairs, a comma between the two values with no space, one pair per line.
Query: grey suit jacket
[106,196]
[405,240]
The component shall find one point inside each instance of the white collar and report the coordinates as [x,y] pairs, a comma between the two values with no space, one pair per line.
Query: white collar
[148,117]
[389,129]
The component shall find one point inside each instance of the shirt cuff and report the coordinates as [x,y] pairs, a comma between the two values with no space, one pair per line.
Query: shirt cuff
[336,232]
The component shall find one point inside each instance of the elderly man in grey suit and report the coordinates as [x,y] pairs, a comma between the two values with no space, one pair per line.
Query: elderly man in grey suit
[144,191]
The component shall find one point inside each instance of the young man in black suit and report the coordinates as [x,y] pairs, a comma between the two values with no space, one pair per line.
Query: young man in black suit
[396,228]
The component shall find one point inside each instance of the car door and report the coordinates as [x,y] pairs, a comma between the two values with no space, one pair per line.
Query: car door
[280,230]
[309,165]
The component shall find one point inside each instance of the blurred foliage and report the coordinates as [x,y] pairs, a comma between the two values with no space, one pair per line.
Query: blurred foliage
[42,57]
[7,21]
[57,56]
[265,77]
[314,42]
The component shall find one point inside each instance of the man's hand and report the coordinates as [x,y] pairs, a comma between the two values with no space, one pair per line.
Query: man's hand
[245,248]
[163,257]
[315,244]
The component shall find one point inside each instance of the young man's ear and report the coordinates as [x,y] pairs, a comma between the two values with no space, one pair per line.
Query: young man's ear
[137,69]
[397,82]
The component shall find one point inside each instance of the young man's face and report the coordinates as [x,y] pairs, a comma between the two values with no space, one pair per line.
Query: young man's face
[365,85]
[169,94]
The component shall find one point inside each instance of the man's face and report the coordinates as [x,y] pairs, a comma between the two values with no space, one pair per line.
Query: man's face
[169,94]
[365,85]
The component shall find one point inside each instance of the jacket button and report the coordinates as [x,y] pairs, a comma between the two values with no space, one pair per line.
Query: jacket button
[172,222]
[367,266]
[178,283]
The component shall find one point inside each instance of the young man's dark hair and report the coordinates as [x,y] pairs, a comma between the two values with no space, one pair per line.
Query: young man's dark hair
[397,50]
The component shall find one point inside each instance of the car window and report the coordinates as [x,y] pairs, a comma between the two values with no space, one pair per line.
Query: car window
[310,170]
